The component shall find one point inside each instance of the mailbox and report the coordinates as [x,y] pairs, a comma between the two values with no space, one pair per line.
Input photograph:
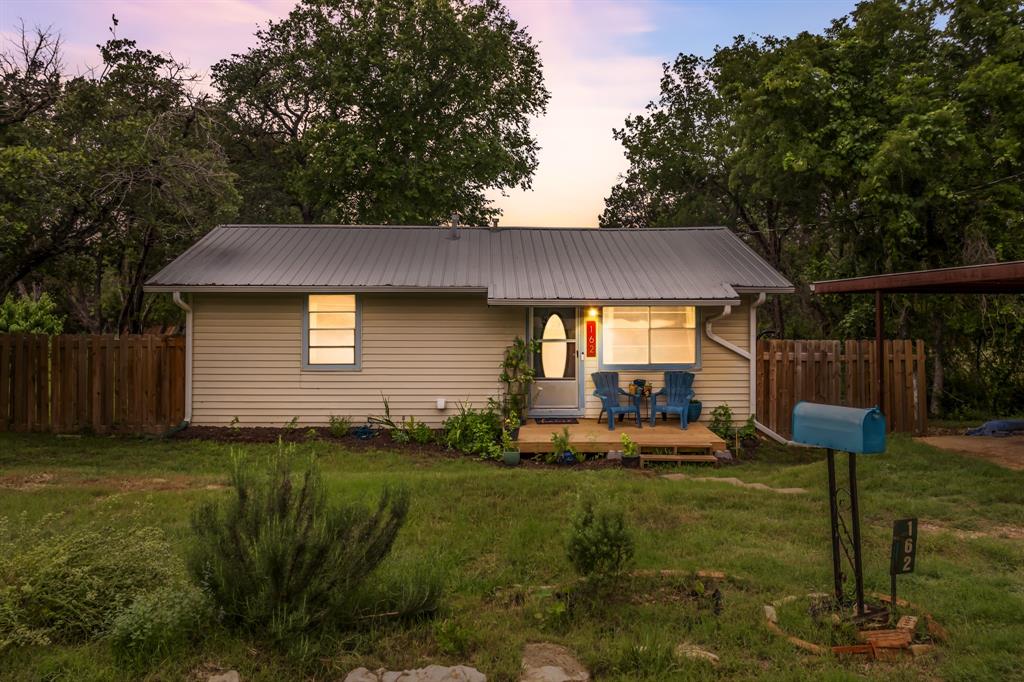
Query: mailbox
[849,429]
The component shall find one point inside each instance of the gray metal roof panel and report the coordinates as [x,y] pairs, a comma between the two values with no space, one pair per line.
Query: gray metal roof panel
[510,264]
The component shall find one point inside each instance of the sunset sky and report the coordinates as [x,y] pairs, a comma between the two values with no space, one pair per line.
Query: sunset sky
[602,62]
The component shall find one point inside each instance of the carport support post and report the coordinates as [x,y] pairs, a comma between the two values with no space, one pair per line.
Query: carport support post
[833,508]
[880,352]
[855,514]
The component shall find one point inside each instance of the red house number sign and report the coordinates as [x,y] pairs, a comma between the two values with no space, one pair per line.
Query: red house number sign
[591,338]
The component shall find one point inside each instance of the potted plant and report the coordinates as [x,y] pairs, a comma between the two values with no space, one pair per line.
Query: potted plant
[747,436]
[630,452]
[510,453]
[562,451]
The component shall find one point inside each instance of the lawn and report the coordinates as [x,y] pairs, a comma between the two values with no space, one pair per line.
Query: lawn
[494,531]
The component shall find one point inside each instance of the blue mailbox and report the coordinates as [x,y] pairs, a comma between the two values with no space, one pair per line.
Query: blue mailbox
[849,429]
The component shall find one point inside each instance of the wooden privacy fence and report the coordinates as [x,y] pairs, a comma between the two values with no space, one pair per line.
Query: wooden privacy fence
[102,383]
[840,373]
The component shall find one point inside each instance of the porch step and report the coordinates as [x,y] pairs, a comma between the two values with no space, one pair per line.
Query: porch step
[682,458]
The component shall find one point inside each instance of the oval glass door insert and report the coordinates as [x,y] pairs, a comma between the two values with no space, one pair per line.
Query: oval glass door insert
[554,348]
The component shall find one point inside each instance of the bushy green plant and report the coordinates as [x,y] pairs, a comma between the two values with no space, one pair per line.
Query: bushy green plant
[31,315]
[508,443]
[61,584]
[474,432]
[159,623]
[413,430]
[339,426]
[600,546]
[721,422]
[276,558]
[748,430]
[630,448]
[560,445]
[517,374]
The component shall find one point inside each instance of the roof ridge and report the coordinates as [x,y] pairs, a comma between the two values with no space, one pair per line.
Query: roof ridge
[474,227]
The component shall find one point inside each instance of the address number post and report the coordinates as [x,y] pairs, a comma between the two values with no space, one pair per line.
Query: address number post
[904,553]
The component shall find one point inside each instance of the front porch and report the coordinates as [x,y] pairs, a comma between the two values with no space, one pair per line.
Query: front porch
[664,442]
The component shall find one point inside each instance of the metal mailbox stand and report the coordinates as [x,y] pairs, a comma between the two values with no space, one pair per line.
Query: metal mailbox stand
[833,503]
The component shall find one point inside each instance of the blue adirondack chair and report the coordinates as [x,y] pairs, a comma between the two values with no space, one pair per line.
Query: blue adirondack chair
[678,393]
[606,385]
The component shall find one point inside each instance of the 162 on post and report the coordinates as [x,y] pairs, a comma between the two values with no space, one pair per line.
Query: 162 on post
[904,552]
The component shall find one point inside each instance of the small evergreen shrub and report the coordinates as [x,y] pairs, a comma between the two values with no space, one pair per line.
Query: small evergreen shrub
[159,623]
[277,559]
[67,585]
[600,546]
[474,432]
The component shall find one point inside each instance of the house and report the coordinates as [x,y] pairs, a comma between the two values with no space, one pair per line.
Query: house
[310,321]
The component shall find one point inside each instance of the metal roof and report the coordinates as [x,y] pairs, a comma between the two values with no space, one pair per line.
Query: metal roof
[510,265]
[987,278]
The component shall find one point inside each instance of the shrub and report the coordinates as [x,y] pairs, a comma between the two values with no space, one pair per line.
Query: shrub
[158,623]
[32,315]
[412,430]
[67,585]
[474,432]
[276,558]
[600,545]
[721,422]
[339,426]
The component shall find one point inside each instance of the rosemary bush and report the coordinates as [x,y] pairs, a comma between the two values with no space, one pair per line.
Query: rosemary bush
[277,559]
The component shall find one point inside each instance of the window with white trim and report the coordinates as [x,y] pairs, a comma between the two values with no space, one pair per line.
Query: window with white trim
[649,336]
[331,333]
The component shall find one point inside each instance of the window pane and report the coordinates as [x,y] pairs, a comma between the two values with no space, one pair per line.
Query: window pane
[332,302]
[332,320]
[673,317]
[332,337]
[625,346]
[332,356]
[625,318]
[673,346]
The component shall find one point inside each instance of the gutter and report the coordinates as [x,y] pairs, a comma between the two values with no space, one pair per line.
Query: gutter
[751,361]
[176,297]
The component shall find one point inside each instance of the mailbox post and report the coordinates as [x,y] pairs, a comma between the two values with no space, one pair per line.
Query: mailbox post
[857,432]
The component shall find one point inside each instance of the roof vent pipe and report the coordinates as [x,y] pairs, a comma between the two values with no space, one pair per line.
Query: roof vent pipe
[453,231]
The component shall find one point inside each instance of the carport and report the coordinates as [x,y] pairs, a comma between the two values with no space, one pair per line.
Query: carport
[989,278]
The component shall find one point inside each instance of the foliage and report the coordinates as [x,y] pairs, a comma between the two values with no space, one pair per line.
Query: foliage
[748,431]
[61,584]
[600,546]
[893,141]
[385,421]
[508,427]
[629,447]
[276,558]
[159,623]
[474,432]
[105,178]
[721,422]
[517,374]
[413,430]
[560,445]
[383,111]
[339,426]
[32,315]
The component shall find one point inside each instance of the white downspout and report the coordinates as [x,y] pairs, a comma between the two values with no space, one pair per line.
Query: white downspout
[176,297]
[747,355]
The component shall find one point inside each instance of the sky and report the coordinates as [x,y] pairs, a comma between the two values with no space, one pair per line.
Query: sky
[602,62]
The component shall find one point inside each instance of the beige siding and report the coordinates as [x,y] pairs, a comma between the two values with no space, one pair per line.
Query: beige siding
[724,377]
[415,349]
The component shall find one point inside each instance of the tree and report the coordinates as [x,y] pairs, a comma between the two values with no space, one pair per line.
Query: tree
[891,142]
[383,111]
[118,172]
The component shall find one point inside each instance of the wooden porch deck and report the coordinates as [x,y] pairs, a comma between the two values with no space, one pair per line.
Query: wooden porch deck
[693,444]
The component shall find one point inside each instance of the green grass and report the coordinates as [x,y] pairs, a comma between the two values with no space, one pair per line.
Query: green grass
[489,528]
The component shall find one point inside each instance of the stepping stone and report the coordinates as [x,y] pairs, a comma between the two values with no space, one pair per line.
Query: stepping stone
[432,673]
[736,482]
[692,651]
[545,662]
